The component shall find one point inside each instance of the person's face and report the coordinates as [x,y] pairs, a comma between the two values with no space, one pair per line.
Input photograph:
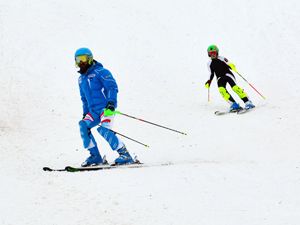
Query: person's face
[82,61]
[213,54]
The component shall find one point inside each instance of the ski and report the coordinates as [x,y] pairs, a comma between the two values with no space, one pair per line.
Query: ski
[92,168]
[103,167]
[241,111]
[136,164]
[220,113]
[51,169]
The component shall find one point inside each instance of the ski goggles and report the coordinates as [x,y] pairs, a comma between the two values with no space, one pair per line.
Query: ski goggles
[212,54]
[81,58]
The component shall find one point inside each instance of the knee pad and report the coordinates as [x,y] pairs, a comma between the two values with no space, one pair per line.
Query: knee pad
[86,135]
[109,136]
[224,93]
[240,92]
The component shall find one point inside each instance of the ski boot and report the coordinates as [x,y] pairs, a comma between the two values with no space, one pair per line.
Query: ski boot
[249,105]
[94,159]
[235,107]
[124,157]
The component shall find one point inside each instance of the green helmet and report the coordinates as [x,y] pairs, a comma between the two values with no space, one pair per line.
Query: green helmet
[212,50]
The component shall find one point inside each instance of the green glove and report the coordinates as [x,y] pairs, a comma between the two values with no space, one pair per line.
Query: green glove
[108,112]
[232,66]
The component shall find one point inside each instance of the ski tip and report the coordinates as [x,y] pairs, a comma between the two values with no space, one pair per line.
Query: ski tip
[47,169]
[219,113]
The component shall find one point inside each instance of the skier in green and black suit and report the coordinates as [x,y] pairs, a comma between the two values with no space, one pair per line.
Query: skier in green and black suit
[221,67]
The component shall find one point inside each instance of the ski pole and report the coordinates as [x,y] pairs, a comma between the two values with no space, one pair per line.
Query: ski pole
[208,95]
[251,85]
[232,66]
[115,132]
[207,85]
[145,121]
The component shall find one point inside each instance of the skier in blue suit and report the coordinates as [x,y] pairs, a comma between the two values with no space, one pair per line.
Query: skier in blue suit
[98,91]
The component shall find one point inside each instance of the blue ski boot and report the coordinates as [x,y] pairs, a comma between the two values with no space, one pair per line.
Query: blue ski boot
[249,105]
[124,157]
[235,107]
[94,159]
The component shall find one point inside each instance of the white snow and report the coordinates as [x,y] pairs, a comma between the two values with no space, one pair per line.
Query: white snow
[229,170]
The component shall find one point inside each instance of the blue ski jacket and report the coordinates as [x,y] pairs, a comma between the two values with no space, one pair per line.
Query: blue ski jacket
[97,87]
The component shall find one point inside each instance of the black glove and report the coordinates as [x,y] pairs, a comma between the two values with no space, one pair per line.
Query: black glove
[111,106]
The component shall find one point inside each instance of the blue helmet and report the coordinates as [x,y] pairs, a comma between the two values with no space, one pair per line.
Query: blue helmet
[85,51]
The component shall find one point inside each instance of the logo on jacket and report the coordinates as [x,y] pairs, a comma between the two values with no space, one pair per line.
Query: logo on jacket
[91,76]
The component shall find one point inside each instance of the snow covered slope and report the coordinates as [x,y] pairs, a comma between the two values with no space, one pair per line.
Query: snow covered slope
[228,170]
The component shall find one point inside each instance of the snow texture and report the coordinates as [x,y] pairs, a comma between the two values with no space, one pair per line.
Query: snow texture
[228,170]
